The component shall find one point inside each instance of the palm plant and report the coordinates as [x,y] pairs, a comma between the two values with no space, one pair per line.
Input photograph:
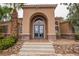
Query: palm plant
[1,12]
[4,12]
[15,7]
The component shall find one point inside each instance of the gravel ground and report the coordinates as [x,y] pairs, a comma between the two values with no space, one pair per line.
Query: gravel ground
[66,47]
[66,41]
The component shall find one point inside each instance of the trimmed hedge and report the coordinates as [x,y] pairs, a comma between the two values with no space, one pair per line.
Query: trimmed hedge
[7,42]
[77,36]
[1,36]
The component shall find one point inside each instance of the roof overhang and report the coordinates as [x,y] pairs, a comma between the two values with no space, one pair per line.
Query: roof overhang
[40,6]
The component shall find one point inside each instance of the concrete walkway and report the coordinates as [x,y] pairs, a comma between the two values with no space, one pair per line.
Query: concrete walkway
[37,49]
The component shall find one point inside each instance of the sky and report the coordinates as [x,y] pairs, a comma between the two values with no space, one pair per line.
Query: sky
[60,10]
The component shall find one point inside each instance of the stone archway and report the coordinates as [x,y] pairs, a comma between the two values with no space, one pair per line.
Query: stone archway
[38,27]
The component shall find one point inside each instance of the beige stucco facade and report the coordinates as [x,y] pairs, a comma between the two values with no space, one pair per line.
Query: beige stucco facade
[46,11]
[66,30]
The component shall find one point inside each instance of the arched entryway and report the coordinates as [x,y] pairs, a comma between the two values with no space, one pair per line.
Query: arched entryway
[38,27]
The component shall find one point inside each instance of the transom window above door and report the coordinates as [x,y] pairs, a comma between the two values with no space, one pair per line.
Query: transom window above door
[39,22]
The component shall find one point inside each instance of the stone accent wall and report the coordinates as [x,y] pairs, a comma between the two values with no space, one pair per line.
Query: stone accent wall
[67,49]
[68,36]
[52,37]
[24,37]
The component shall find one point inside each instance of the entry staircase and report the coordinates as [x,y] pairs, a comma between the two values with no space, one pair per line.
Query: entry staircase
[37,49]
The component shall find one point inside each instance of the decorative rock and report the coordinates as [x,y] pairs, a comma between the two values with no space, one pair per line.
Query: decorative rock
[76,49]
[66,49]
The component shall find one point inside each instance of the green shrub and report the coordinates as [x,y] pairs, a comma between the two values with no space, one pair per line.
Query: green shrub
[7,42]
[1,45]
[1,36]
[77,36]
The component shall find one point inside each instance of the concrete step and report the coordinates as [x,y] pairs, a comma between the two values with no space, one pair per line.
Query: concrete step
[45,43]
[52,50]
[36,46]
[35,54]
[40,51]
[36,49]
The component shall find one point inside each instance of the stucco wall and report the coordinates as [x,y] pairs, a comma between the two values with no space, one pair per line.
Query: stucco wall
[28,12]
[65,28]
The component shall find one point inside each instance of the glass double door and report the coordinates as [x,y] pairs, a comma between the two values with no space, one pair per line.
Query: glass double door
[38,31]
